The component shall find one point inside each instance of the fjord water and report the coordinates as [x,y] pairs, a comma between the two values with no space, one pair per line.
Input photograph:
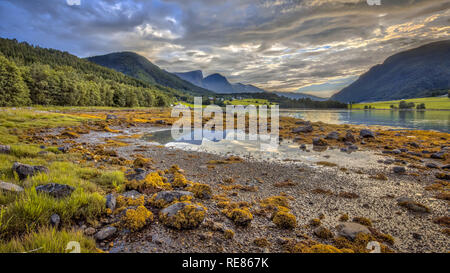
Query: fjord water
[420,120]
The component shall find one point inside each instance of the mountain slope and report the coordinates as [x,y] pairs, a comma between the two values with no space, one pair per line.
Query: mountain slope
[139,67]
[409,74]
[296,96]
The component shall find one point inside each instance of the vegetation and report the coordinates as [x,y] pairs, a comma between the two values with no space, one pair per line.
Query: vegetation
[435,103]
[33,75]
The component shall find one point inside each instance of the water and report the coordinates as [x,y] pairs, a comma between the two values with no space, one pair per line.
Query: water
[422,120]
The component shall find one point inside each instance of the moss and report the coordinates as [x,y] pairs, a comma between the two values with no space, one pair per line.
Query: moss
[229,234]
[379,176]
[141,162]
[124,202]
[359,245]
[315,222]
[161,203]
[152,183]
[285,219]
[229,180]
[443,221]
[180,180]
[344,217]
[261,242]
[240,216]
[323,233]
[69,134]
[286,183]
[274,202]
[363,221]
[348,195]
[190,216]
[326,164]
[322,191]
[135,219]
[200,190]
[321,248]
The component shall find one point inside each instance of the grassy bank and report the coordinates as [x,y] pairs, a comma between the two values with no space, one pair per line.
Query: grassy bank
[434,103]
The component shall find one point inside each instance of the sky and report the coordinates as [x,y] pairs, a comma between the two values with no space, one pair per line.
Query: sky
[311,46]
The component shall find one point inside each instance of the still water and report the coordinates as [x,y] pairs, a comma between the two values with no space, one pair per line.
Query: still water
[422,120]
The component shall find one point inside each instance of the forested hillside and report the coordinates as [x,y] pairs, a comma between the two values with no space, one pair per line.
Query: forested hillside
[33,75]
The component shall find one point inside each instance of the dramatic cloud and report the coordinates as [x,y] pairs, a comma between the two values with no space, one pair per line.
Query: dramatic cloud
[315,46]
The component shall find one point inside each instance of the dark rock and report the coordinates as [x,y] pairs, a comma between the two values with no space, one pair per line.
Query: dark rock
[168,216]
[396,151]
[446,167]
[111,117]
[24,170]
[42,147]
[111,201]
[132,194]
[344,150]
[170,196]
[10,187]
[417,236]
[349,137]
[439,155]
[138,175]
[333,135]
[161,122]
[351,230]
[387,152]
[55,220]
[403,150]
[105,233]
[414,144]
[5,149]
[319,142]
[63,149]
[432,165]
[389,161]
[303,129]
[415,154]
[303,146]
[353,147]
[366,133]
[55,190]
[399,170]
[303,122]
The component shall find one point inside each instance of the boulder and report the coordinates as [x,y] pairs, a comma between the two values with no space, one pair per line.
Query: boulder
[111,201]
[55,190]
[138,175]
[170,196]
[133,194]
[349,137]
[5,149]
[439,155]
[411,205]
[399,169]
[351,230]
[333,136]
[24,170]
[182,215]
[303,129]
[366,133]
[432,165]
[105,233]
[319,142]
[10,187]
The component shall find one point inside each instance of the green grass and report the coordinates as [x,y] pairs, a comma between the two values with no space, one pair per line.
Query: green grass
[48,241]
[437,103]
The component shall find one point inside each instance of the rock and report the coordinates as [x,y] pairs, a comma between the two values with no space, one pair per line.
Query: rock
[138,175]
[303,146]
[333,135]
[439,155]
[24,170]
[417,236]
[105,233]
[399,169]
[403,150]
[170,196]
[55,190]
[182,215]
[319,142]
[110,117]
[132,194]
[366,133]
[303,129]
[387,152]
[323,233]
[89,231]
[349,137]
[432,165]
[303,122]
[5,149]
[446,167]
[161,122]
[10,187]
[353,147]
[55,220]
[414,144]
[63,149]
[111,201]
[351,230]
[415,154]
[411,205]
[396,151]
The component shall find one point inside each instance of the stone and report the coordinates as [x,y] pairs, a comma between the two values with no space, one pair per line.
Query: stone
[138,175]
[351,230]
[319,142]
[89,231]
[303,129]
[396,151]
[161,122]
[111,117]
[411,205]
[399,170]
[10,187]
[133,194]
[5,149]
[439,155]
[432,165]
[111,201]
[24,170]
[55,220]
[414,144]
[303,146]
[366,133]
[180,216]
[105,233]
[446,167]
[55,190]
[353,147]
[333,135]
[349,137]
[170,196]
[63,149]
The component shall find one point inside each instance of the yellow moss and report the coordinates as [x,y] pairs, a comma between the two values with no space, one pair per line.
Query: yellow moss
[141,162]
[152,183]
[123,202]
[161,203]
[344,217]
[188,217]
[240,216]
[107,129]
[261,242]
[115,143]
[315,222]
[363,221]
[200,190]
[135,219]
[180,180]
[321,248]
[229,234]
[359,245]
[69,134]
[284,219]
[274,202]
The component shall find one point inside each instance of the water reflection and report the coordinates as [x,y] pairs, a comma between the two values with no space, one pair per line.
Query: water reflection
[424,120]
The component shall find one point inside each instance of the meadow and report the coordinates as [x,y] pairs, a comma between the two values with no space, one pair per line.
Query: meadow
[433,103]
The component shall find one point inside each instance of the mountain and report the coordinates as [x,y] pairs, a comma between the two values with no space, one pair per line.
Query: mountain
[410,74]
[141,68]
[39,76]
[217,83]
[296,96]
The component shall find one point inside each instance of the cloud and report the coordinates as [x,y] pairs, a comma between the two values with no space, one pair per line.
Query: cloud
[281,45]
